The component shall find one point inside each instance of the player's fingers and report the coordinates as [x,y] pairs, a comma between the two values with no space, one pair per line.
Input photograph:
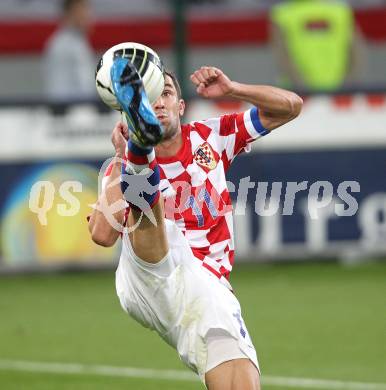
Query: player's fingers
[218,71]
[212,73]
[122,125]
[125,131]
[200,76]
[201,89]
[194,79]
[120,130]
[204,71]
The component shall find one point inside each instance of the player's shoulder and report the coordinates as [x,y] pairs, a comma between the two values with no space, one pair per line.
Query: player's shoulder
[204,127]
[214,125]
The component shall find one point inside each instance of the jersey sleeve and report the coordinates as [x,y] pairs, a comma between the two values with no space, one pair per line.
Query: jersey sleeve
[237,131]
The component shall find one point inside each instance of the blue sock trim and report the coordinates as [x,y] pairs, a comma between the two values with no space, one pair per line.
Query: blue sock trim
[140,191]
[256,122]
[154,180]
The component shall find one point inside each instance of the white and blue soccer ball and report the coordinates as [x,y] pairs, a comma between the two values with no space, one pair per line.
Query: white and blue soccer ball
[147,63]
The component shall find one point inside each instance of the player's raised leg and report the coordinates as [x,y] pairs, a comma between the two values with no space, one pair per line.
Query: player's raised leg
[140,173]
[237,374]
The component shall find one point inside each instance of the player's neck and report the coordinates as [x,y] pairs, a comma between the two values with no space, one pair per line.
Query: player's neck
[169,147]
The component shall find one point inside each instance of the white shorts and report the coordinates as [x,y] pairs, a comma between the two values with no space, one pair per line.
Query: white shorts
[184,303]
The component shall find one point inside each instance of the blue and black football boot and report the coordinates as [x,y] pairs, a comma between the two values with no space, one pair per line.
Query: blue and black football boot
[144,127]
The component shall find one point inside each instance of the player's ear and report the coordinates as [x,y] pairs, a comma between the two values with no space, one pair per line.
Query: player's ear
[181,107]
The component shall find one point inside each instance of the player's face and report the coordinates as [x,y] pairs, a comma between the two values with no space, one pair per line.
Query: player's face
[82,15]
[168,109]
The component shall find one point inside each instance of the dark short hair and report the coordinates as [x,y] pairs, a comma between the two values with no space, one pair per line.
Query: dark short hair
[177,86]
[68,4]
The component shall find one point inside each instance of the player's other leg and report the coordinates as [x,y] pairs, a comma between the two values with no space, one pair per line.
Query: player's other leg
[237,374]
[140,173]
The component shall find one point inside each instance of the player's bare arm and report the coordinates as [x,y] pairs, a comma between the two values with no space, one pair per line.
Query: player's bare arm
[276,106]
[103,232]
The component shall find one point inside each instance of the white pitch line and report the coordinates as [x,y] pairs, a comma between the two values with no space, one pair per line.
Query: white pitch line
[178,375]
[76,368]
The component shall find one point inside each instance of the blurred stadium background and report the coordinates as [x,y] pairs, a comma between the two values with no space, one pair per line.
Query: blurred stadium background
[312,289]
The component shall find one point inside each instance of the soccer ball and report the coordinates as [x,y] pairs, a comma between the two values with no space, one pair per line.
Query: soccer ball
[147,63]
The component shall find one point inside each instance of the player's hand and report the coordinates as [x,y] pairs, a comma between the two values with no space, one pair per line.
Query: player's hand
[119,138]
[211,82]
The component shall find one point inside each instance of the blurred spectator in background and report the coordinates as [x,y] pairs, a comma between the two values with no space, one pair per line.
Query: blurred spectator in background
[69,63]
[317,43]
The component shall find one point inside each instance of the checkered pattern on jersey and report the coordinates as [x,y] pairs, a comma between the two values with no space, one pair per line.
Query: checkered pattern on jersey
[193,184]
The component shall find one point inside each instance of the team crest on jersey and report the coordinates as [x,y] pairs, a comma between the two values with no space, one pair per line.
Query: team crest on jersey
[204,156]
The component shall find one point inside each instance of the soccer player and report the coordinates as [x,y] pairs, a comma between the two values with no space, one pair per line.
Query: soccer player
[170,192]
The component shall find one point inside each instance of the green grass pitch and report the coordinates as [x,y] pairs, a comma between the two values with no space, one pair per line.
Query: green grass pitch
[322,321]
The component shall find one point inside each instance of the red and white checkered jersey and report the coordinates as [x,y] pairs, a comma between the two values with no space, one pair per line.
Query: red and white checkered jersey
[194,186]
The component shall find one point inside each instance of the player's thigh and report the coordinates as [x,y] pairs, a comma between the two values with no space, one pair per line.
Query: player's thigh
[237,374]
[148,234]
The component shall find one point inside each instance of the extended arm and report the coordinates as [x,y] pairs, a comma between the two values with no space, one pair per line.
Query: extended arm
[276,106]
[106,219]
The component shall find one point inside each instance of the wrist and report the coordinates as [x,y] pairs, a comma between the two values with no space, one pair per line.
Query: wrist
[118,159]
[119,155]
